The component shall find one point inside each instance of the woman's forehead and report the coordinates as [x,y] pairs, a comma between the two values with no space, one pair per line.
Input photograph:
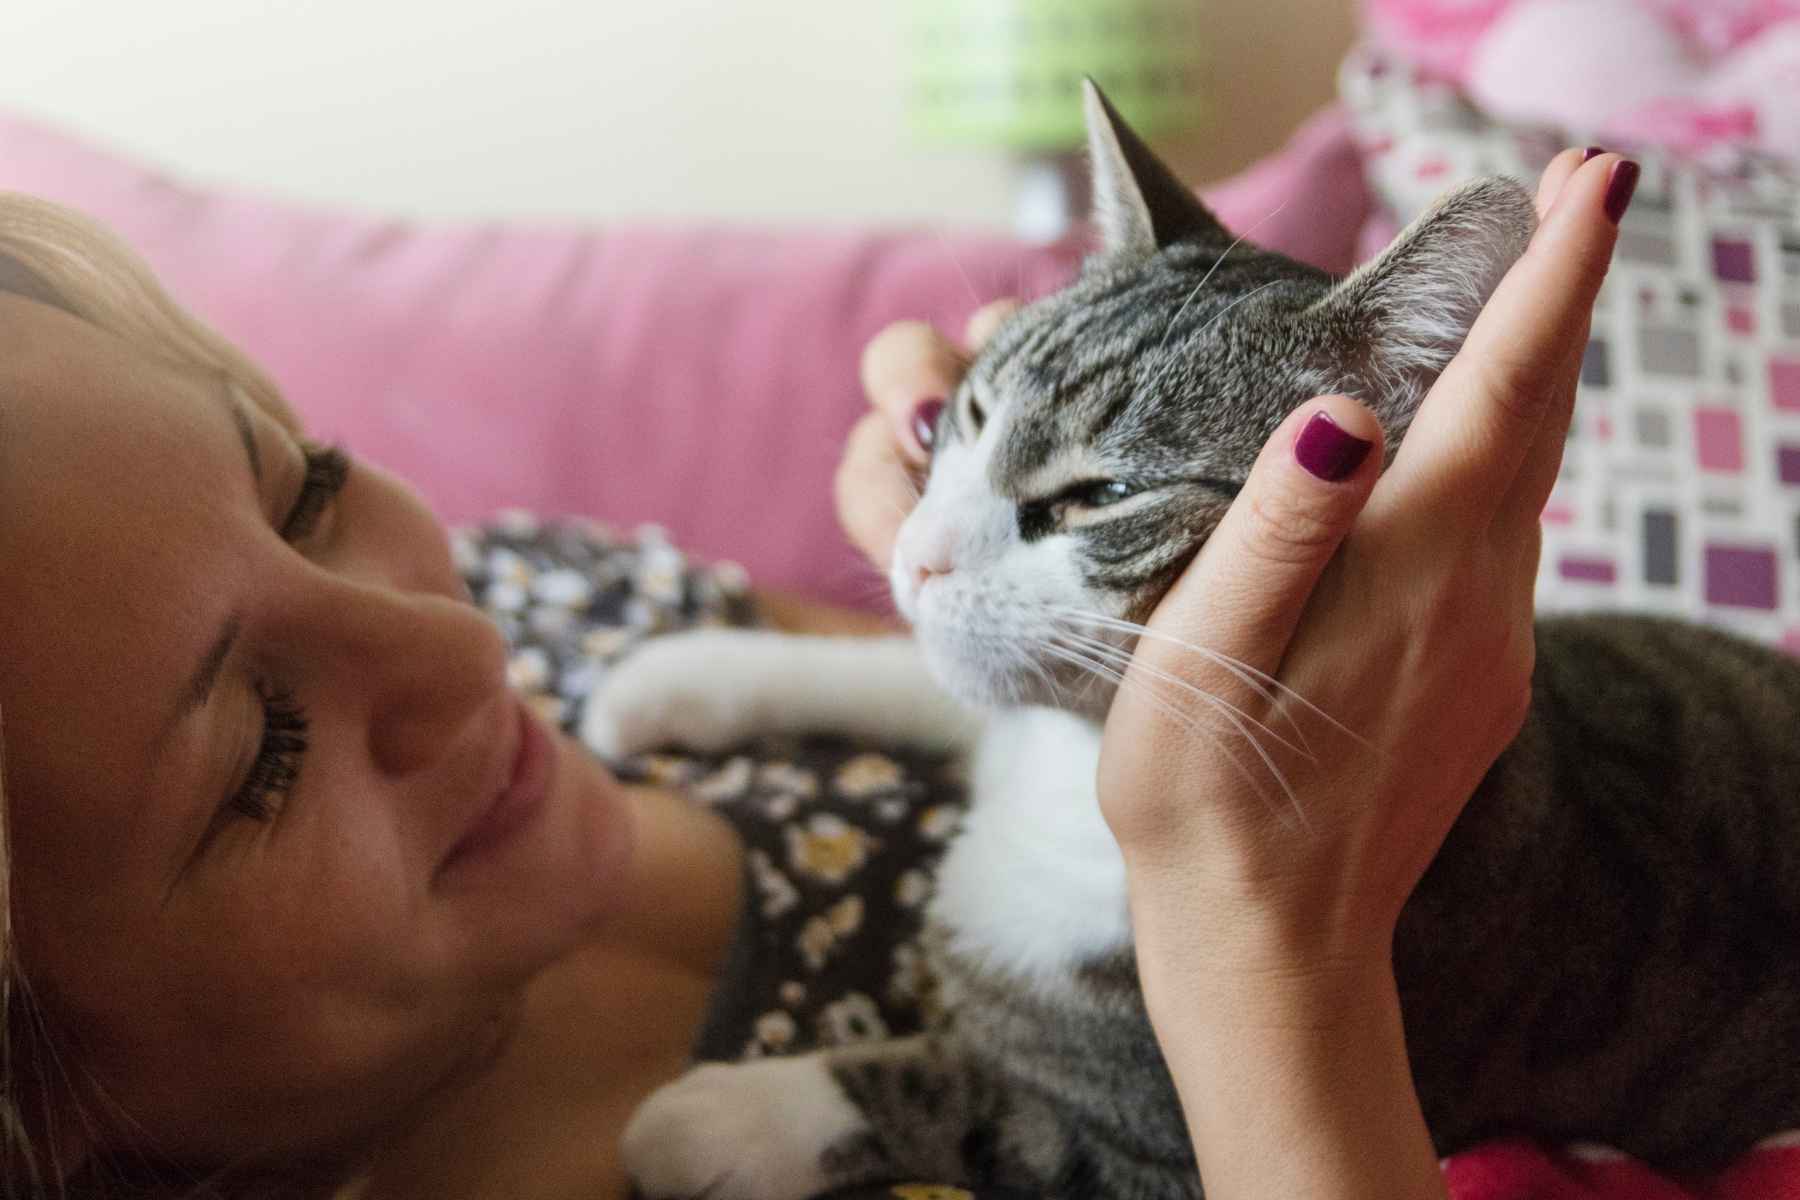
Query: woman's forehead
[117,477]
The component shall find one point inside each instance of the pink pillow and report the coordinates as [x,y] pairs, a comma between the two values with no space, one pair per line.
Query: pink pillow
[702,378]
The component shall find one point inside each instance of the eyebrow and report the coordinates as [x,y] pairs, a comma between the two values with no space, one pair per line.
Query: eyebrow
[199,687]
[245,433]
[206,675]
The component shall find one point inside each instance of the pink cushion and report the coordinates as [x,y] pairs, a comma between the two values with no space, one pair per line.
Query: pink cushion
[702,378]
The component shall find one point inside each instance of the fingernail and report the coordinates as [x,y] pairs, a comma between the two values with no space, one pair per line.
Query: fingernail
[1327,450]
[925,419]
[1619,188]
[1592,152]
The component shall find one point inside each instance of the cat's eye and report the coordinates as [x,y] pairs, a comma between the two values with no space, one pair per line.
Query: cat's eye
[1038,518]
[1099,493]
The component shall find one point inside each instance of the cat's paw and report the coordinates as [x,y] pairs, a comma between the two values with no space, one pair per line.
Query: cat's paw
[771,1130]
[679,692]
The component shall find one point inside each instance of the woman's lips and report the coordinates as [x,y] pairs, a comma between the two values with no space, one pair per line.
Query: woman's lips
[518,802]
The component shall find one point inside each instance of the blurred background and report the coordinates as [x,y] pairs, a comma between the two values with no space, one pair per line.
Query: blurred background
[619,257]
[751,110]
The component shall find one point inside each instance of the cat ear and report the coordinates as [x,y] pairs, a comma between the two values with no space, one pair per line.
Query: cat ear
[1139,205]
[1400,317]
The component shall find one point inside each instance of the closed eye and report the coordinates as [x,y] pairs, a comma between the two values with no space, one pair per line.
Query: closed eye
[1037,518]
[327,470]
[1096,493]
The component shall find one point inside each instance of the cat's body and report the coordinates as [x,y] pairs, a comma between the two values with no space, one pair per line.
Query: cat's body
[1604,949]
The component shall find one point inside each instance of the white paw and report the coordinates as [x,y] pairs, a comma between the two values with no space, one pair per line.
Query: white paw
[751,1131]
[679,691]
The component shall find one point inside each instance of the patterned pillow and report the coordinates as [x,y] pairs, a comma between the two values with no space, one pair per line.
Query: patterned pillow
[1680,489]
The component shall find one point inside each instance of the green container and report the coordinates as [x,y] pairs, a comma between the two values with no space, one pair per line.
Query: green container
[1007,73]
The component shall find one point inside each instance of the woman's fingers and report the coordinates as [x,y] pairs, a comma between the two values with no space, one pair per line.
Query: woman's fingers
[906,366]
[986,321]
[1243,595]
[1531,491]
[909,370]
[1515,374]
[1557,174]
[874,488]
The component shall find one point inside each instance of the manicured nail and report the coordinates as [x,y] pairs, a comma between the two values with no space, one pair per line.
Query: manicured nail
[1619,188]
[925,419]
[1592,152]
[1328,451]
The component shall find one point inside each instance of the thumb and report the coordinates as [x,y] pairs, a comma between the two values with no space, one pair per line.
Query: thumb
[909,370]
[1243,595]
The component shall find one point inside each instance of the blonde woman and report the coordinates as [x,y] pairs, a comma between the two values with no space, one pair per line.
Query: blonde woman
[304,901]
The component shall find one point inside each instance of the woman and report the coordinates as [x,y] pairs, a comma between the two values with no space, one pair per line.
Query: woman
[299,889]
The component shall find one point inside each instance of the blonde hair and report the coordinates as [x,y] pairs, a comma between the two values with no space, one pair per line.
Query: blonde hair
[58,257]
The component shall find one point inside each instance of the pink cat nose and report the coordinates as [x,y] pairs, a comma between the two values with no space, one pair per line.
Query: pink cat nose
[924,556]
[923,572]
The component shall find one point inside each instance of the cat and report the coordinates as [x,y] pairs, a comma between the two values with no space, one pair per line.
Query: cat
[1604,949]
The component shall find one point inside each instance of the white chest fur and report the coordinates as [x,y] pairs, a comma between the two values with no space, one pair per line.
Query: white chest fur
[1034,883]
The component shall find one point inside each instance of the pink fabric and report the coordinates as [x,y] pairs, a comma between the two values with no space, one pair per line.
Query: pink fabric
[1439,35]
[1696,77]
[1308,201]
[1521,1171]
[702,378]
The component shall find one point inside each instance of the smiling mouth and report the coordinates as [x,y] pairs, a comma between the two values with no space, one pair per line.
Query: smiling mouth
[519,800]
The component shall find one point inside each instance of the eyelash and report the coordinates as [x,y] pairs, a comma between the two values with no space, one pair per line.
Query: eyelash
[283,746]
[327,470]
[278,758]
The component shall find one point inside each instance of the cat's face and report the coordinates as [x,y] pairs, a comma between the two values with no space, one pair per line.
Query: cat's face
[1103,431]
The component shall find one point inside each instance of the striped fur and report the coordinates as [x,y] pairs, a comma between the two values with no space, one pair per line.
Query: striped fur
[1605,950]
[1607,947]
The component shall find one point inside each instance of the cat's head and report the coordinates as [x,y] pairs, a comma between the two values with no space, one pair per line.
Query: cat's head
[1101,433]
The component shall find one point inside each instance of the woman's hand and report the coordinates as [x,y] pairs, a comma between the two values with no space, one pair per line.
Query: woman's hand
[1390,616]
[906,369]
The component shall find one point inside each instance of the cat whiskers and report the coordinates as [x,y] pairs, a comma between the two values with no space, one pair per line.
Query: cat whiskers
[1271,689]
[1087,661]
[1253,291]
[1122,658]
[1247,726]
[950,254]
[1096,660]
[1170,331]
[994,633]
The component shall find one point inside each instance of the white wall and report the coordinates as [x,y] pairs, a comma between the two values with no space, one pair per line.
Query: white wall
[746,109]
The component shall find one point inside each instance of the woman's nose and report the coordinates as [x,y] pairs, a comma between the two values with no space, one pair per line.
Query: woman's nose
[427,665]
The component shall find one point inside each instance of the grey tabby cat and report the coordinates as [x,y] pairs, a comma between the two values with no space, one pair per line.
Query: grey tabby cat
[1604,950]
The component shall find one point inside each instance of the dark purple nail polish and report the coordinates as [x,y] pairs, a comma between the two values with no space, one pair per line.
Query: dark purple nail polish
[925,419]
[1592,152]
[1325,449]
[1619,188]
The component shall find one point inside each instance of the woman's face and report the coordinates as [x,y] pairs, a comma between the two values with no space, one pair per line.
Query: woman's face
[249,720]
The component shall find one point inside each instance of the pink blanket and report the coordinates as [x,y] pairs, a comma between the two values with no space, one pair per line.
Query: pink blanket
[700,378]
[1522,1171]
[1700,77]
